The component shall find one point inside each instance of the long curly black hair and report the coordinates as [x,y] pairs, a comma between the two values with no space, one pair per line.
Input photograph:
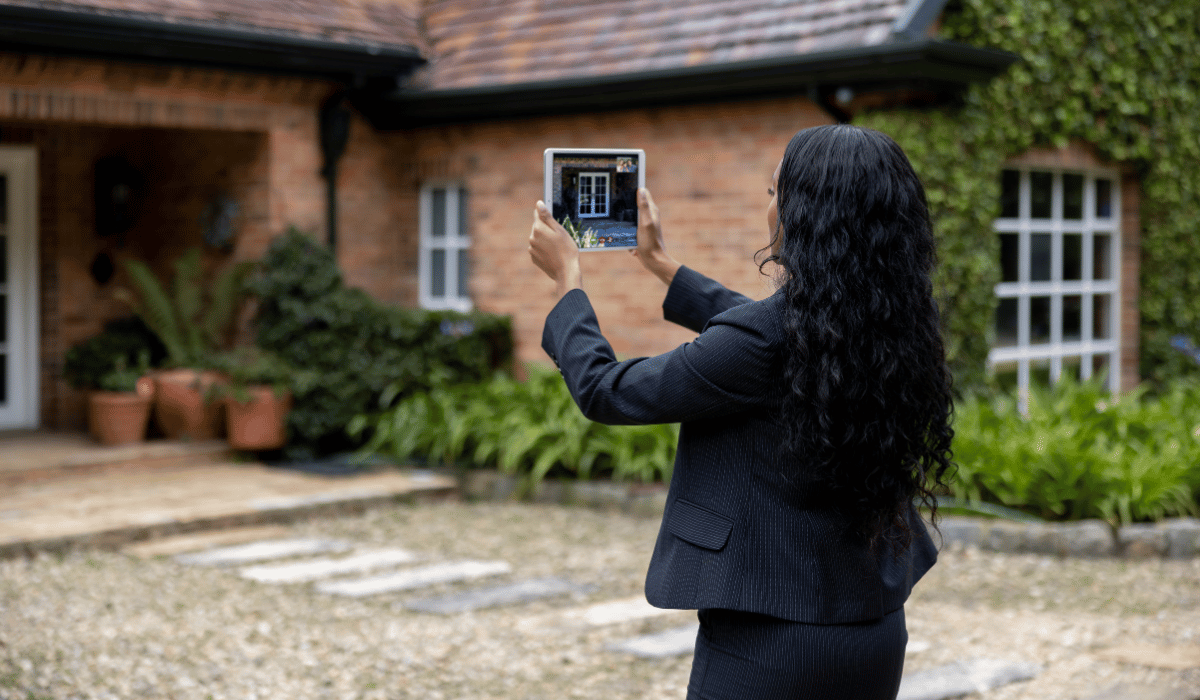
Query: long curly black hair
[870,404]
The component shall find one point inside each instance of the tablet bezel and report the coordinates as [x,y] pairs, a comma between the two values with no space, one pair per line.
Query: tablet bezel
[548,173]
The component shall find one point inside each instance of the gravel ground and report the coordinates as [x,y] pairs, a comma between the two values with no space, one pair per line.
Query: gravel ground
[108,625]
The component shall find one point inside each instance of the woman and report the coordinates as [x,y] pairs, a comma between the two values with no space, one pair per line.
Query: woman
[811,421]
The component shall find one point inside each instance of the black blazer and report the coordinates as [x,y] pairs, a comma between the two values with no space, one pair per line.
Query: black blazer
[735,533]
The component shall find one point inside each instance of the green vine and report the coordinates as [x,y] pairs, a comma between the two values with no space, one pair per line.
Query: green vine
[1121,75]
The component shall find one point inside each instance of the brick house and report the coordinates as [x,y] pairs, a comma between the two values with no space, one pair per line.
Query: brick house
[125,125]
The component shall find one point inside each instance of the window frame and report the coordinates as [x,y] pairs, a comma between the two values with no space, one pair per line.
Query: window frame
[457,238]
[594,175]
[1024,353]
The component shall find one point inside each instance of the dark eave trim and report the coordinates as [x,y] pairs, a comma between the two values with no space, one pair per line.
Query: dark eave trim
[925,64]
[120,37]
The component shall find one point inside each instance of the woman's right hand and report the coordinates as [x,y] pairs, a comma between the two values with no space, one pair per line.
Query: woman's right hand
[651,250]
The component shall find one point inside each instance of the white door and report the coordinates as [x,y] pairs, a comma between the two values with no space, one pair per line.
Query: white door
[593,195]
[18,288]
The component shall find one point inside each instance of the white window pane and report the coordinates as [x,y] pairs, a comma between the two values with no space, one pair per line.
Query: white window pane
[1103,198]
[462,274]
[1072,256]
[1041,194]
[1102,256]
[438,215]
[1039,320]
[462,213]
[1039,257]
[1010,261]
[1102,317]
[437,273]
[1006,323]
[1072,196]
[1072,318]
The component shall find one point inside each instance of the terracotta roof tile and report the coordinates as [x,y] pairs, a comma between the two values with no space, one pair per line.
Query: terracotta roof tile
[389,23]
[489,42]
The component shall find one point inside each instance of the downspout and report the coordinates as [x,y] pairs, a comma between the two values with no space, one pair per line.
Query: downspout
[334,121]
[821,99]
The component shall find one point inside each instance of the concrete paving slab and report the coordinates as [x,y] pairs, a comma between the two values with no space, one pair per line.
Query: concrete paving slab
[1176,657]
[261,551]
[114,509]
[1130,691]
[616,611]
[36,455]
[964,677]
[313,569]
[495,596]
[672,642]
[204,540]
[419,577]
[597,615]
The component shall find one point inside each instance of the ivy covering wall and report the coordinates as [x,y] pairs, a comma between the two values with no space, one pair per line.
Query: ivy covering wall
[1122,75]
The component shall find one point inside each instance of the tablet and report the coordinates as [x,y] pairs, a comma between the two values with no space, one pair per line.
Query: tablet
[592,192]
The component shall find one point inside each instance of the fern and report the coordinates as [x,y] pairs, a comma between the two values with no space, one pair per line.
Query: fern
[191,324]
[155,307]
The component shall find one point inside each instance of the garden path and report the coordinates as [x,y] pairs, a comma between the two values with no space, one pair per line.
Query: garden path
[491,601]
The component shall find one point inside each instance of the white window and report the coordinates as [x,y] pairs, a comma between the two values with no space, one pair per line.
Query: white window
[1060,276]
[443,266]
[593,195]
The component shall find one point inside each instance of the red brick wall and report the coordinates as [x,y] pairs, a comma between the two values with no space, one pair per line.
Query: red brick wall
[708,167]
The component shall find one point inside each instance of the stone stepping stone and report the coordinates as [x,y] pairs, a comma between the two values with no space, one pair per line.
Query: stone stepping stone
[313,569]
[964,677]
[193,542]
[415,578]
[616,611]
[1179,658]
[596,615]
[507,594]
[262,551]
[1127,691]
[672,642]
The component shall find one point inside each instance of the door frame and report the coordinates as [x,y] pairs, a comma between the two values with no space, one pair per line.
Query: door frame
[19,164]
[595,176]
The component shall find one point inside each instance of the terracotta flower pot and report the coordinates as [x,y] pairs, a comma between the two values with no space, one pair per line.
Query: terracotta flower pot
[180,408]
[261,422]
[120,418]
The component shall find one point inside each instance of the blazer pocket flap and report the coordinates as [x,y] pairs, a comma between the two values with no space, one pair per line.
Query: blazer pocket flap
[700,526]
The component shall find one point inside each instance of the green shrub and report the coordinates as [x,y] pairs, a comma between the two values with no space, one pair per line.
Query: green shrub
[359,347]
[1082,453]
[531,428]
[122,341]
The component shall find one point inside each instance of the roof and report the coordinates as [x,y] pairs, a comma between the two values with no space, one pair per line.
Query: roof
[487,59]
[497,42]
[383,23]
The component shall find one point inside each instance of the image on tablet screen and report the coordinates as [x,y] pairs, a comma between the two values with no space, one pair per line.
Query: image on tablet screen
[595,198]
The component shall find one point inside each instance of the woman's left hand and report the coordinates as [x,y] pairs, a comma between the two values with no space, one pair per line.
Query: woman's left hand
[554,251]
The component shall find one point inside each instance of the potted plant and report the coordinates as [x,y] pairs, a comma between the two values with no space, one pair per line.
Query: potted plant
[257,394]
[119,409]
[193,321]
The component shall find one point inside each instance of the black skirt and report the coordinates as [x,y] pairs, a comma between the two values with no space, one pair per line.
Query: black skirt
[751,656]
